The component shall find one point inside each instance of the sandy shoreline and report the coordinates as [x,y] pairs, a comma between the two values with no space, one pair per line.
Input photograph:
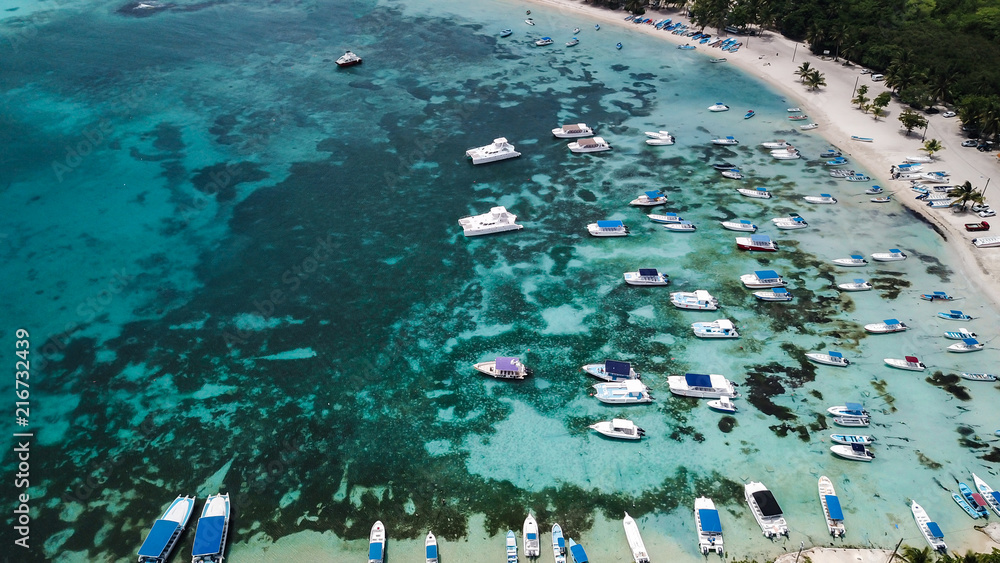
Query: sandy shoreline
[769,57]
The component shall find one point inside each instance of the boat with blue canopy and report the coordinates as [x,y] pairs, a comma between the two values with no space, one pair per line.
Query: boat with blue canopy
[742,225]
[954,315]
[430,549]
[886,326]
[650,198]
[503,368]
[757,243]
[936,295]
[608,228]
[849,439]
[707,386]
[930,530]
[611,370]
[776,294]
[761,279]
[706,519]
[529,533]
[831,507]
[577,552]
[213,527]
[166,531]
[856,260]
[646,276]
[511,546]
[960,334]
[376,543]
[853,452]
[848,409]
[831,358]
[966,345]
[558,544]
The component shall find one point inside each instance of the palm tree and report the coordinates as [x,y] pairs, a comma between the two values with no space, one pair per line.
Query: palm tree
[803,71]
[964,194]
[879,103]
[815,79]
[861,99]
[914,555]
[932,146]
[940,87]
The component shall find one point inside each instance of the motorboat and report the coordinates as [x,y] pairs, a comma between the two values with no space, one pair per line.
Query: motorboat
[558,544]
[789,154]
[718,60]
[500,149]
[776,294]
[852,421]
[750,113]
[966,345]
[573,42]
[793,110]
[680,226]
[759,193]
[854,452]
[862,139]
[635,543]
[665,218]
[646,276]
[960,334]
[975,500]
[839,161]
[618,428]
[831,507]
[573,131]
[874,190]
[721,328]
[936,295]
[756,243]
[498,220]
[885,199]
[376,543]
[722,404]
[831,358]
[213,527]
[908,167]
[908,362]
[763,279]
[986,242]
[820,199]
[618,46]
[742,225]
[728,140]
[706,519]
[718,106]
[627,392]
[661,141]
[798,117]
[649,199]
[544,41]
[978,376]
[854,261]
[936,177]
[348,59]
[532,544]
[894,255]
[733,174]
[506,32]
[702,386]
[166,530]
[577,552]
[954,315]
[830,153]
[779,144]
[808,126]
[700,300]
[930,530]
[857,285]
[790,223]
[920,159]
[659,134]
[430,548]
[886,326]
[858,178]
[611,370]
[724,166]
[529,21]
[765,510]
[511,543]
[503,368]
[608,229]
[594,144]
[992,497]
[848,409]
[964,505]
[576,30]
[842,173]
[849,439]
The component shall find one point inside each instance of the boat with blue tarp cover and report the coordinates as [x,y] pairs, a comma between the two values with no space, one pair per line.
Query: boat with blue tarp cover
[930,530]
[649,199]
[611,370]
[166,531]
[776,294]
[706,519]
[954,315]
[607,228]
[430,549]
[503,368]
[831,358]
[376,543]
[859,284]
[939,295]
[886,326]
[646,276]
[852,439]
[529,532]
[213,527]
[831,507]
[856,260]
[966,345]
[708,386]
[577,552]
[511,546]
[761,279]
[558,544]
[635,543]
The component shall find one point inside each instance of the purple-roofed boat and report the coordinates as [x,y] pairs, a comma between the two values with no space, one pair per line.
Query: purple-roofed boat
[503,368]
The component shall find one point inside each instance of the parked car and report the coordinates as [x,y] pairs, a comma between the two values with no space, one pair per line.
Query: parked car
[980,206]
[987,213]
[878,77]
[949,114]
[866,71]
[970,143]
[931,110]
[985,146]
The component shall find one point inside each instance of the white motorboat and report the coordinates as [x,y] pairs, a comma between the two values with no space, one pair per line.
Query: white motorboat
[855,261]
[921,159]
[703,386]
[858,178]
[928,528]
[966,345]
[849,409]
[874,190]
[761,279]
[742,225]
[700,300]
[857,285]
[954,315]
[909,363]
[986,242]
[658,134]
[992,497]
[733,174]
[831,358]
[894,255]
[348,59]
[573,131]
[430,548]
[628,392]
[776,294]
[936,177]
[503,368]
[498,220]
[788,154]
[759,193]
[639,553]
[608,229]
[886,326]
[779,144]
[166,531]
[722,404]
[821,199]
[594,144]
[852,421]
[680,227]
[793,110]
[500,149]
[529,21]
[790,223]
[665,218]
[808,126]
[960,334]
[721,328]
[532,543]
[662,141]
[765,510]
[511,544]
[649,199]
[618,428]
[718,106]
[647,276]
[756,243]
[831,507]
[573,42]
[706,519]
[978,376]
[849,439]
[544,41]
[728,140]
[210,539]
[611,370]
[558,544]
[376,543]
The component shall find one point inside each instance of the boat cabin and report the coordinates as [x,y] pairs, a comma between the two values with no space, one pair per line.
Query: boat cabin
[508,367]
[616,370]
[768,276]
[767,504]
[610,226]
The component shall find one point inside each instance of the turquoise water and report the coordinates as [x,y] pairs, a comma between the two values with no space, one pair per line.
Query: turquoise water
[254,281]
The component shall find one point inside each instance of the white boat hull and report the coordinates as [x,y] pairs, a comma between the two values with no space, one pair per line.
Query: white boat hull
[707,541]
[847,452]
[771,526]
[639,554]
[836,527]
[532,543]
[921,518]
[828,360]
[903,364]
[741,227]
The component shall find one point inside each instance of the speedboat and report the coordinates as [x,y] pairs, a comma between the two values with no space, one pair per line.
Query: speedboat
[790,223]
[576,30]
[839,161]
[849,409]
[750,113]
[821,198]
[786,155]
[729,140]
[894,255]
[831,507]
[635,543]
[659,134]
[963,503]
[721,328]
[855,452]
[908,362]
[857,285]
[376,543]
[756,243]
[986,242]
[532,546]
[966,345]
[646,276]
[618,428]
[213,527]
[960,334]
[742,225]
[885,199]
[665,218]
[661,141]
[627,392]
[798,117]
[852,421]
[718,106]
[503,368]
[874,190]
[650,199]
[166,531]
[703,386]
[611,370]
[992,497]
[975,500]
[854,261]
[842,173]
[762,279]
[348,59]
[498,220]
[765,510]
[558,544]
[511,543]
[724,166]
[808,126]
[858,178]
[862,139]
[607,229]
[776,294]
[936,295]
[920,159]
[779,144]
[852,439]
[733,174]
[954,315]
[573,42]
[430,548]
[506,32]
[886,326]
[529,21]
[577,552]
[706,519]
[722,404]
[930,530]
[830,153]
[594,144]
[978,376]
[500,149]
[759,193]
[573,131]
[700,300]
[831,358]
[680,226]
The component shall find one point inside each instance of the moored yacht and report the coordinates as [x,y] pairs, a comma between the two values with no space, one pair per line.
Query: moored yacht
[721,328]
[500,149]
[649,199]
[498,220]
[722,404]
[627,392]
[857,285]
[855,260]
[853,452]
[430,548]
[831,507]
[821,198]
[727,140]
[757,243]
[163,536]
[376,543]
[348,59]
[930,530]
[639,554]
[706,519]
[618,428]
[759,193]
[831,358]
[790,223]
[894,255]
[503,368]
[765,510]
[886,326]
[532,544]
[700,300]
[763,279]
[908,363]
[704,386]
[594,144]
[742,225]
[611,370]
[573,131]
[776,294]
[849,409]
[646,276]
[213,527]
[718,106]
[608,228]
[966,345]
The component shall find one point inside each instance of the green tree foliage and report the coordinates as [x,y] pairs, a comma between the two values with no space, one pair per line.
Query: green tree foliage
[861,99]
[964,195]
[710,13]
[815,79]
[932,146]
[880,103]
[912,120]
[803,71]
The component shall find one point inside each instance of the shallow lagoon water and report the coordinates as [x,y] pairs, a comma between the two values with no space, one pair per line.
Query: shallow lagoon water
[255,282]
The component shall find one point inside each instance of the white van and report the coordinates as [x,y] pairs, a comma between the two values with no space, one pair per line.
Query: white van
[878,77]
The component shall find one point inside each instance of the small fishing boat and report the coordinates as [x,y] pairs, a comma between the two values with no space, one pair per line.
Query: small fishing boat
[597,27]
[577,552]
[665,218]
[831,507]
[855,260]
[166,530]
[611,370]
[618,46]
[719,60]
[618,428]
[733,174]
[765,510]
[497,220]
[576,30]
[849,439]
[857,285]
[839,161]
[930,530]
[430,548]
[798,117]
[573,42]
[511,546]
[573,131]
[649,199]
[558,544]
[908,362]
[213,527]
[639,554]
[348,59]
[647,276]
[779,144]
[687,47]
[724,166]
[920,159]
[964,505]
[975,500]
[759,193]
[544,41]
[894,255]
[727,140]
[529,533]
[809,126]
[503,368]
[966,345]
[702,386]
[605,228]
[821,199]
[661,141]
[706,519]
[848,409]
[862,139]
[854,452]
[750,113]
[786,155]
[960,334]
[756,243]
[762,279]
[721,328]
[699,300]
[831,358]
[793,110]
[954,315]
[986,242]
[852,421]
[376,543]
[776,294]
[627,392]
[886,326]
[992,497]
[885,199]
[722,404]
[790,223]
[529,21]
[595,144]
[681,227]
[858,178]
[830,153]
[874,190]
[719,106]
[979,377]
[841,173]
[506,33]
[742,225]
